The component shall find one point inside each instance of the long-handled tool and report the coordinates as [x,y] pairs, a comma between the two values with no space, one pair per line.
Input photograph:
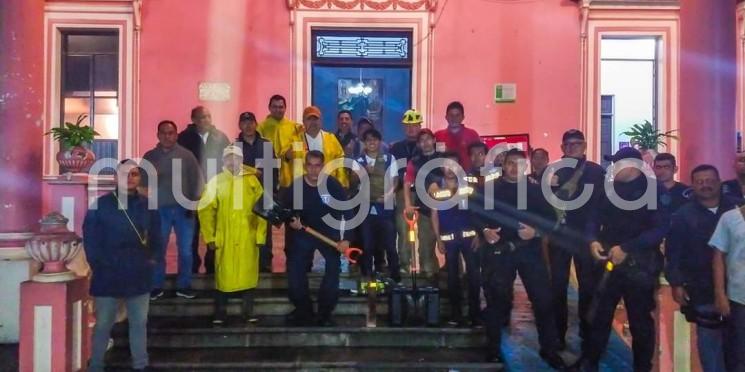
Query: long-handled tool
[351,253]
[414,265]
[277,215]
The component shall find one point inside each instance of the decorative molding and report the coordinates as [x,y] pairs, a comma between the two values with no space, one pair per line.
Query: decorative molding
[633,21]
[13,246]
[365,5]
[119,15]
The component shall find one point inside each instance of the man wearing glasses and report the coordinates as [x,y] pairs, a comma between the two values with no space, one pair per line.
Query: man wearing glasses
[568,184]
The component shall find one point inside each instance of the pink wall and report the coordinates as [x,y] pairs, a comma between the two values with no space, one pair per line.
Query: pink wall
[707,90]
[21,90]
[243,43]
[534,44]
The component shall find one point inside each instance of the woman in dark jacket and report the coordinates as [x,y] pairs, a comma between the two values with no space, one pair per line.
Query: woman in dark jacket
[121,236]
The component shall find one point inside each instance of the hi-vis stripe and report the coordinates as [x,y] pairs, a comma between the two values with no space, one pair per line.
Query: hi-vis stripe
[471,179]
[491,177]
[447,238]
[445,194]
[464,234]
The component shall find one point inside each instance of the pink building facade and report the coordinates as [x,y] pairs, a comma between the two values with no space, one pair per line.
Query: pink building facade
[231,55]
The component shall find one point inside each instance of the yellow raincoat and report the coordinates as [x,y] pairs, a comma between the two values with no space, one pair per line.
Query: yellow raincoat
[226,218]
[282,134]
[331,150]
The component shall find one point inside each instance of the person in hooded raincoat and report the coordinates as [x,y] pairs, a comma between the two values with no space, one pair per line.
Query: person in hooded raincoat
[233,231]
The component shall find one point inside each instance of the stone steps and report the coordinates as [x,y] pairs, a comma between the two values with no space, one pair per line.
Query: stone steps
[349,332]
[269,302]
[309,359]
[279,281]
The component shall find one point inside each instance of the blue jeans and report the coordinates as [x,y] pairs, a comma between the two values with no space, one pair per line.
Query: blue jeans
[106,307]
[175,216]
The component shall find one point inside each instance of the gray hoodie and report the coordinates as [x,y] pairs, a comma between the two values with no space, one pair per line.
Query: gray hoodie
[191,174]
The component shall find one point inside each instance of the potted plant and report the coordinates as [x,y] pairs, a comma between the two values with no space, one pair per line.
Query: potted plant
[647,139]
[74,156]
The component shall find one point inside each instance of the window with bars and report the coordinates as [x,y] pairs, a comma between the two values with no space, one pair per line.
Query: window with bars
[90,85]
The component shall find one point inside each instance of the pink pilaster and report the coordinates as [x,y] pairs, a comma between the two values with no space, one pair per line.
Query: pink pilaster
[21,112]
[54,326]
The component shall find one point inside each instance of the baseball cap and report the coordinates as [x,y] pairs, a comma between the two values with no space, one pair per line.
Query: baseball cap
[624,153]
[232,150]
[311,111]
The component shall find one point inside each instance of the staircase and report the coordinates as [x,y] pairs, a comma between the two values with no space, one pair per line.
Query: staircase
[181,336]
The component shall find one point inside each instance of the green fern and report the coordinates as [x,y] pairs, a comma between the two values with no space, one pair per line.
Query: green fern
[73,135]
[647,137]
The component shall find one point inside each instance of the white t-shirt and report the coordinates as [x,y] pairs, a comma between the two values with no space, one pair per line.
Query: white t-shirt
[729,237]
[315,143]
[204,137]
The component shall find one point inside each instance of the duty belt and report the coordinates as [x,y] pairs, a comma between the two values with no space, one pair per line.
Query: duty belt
[463,234]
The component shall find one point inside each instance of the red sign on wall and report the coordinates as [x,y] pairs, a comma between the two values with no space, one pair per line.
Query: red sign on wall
[510,141]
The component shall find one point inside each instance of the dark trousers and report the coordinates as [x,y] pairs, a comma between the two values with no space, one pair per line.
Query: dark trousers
[378,239]
[265,253]
[453,250]
[299,256]
[588,272]
[221,302]
[209,256]
[735,350]
[498,275]
[639,302]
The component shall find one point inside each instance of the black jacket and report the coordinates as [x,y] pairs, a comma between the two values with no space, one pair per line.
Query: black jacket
[732,188]
[687,250]
[505,213]
[594,175]
[121,265]
[216,142]
[638,231]
[679,194]
[403,149]
[251,152]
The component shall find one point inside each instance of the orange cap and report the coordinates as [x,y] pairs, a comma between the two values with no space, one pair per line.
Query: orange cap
[311,111]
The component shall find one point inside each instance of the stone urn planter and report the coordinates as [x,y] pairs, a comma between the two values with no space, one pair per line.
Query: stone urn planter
[75,160]
[54,246]
[73,156]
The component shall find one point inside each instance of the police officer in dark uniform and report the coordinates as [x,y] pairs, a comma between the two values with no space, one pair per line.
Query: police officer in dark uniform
[511,245]
[300,254]
[563,248]
[734,187]
[627,236]
[455,239]
[665,167]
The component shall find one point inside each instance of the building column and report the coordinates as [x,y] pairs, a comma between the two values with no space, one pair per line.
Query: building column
[708,59]
[21,115]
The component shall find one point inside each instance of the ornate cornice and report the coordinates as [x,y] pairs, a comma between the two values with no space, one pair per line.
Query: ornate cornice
[369,5]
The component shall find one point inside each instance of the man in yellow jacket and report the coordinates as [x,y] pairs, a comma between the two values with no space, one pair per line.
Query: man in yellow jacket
[233,231]
[311,137]
[282,132]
